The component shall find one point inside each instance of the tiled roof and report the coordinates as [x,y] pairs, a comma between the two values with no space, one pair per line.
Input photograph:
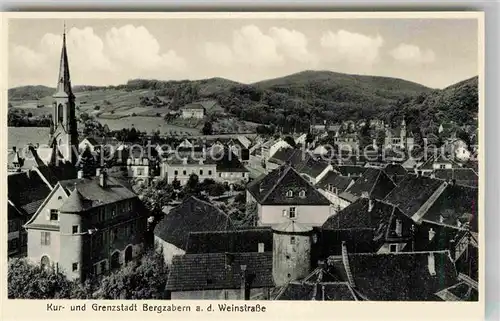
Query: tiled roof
[93,192]
[403,276]
[230,163]
[455,204]
[412,192]
[323,291]
[27,190]
[441,159]
[238,241]
[335,180]
[75,203]
[395,171]
[459,292]
[350,170]
[303,161]
[357,216]
[373,181]
[462,176]
[219,271]
[287,154]
[312,166]
[192,215]
[193,106]
[272,188]
[54,174]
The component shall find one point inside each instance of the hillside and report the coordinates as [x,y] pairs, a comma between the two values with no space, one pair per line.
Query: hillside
[458,103]
[330,84]
[291,102]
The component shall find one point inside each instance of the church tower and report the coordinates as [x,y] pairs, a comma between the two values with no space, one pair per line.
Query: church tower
[64,134]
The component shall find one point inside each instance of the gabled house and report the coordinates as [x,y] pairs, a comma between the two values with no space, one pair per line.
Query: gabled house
[438,162]
[171,233]
[270,147]
[373,183]
[311,167]
[16,233]
[284,194]
[367,226]
[26,192]
[332,185]
[196,111]
[87,226]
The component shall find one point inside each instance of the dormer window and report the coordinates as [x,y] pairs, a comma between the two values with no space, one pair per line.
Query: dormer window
[289,193]
[302,194]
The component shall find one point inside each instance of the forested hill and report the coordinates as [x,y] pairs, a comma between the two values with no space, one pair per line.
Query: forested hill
[293,101]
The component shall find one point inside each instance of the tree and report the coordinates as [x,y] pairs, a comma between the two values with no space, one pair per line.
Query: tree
[84,116]
[143,278]
[176,184]
[87,163]
[290,141]
[365,137]
[28,281]
[192,186]
[207,128]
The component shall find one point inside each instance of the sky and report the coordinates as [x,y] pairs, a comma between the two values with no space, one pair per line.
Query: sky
[433,52]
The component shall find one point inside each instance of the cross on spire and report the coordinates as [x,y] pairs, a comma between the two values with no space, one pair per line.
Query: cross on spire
[64,83]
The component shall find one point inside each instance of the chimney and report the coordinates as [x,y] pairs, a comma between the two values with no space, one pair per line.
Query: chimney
[80,174]
[98,172]
[370,205]
[415,170]
[441,219]
[260,248]
[364,194]
[431,264]
[184,161]
[261,188]
[431,234]
[102,179]
[399,227]
[200,162]
[433,175]
[243,287]
[321,264]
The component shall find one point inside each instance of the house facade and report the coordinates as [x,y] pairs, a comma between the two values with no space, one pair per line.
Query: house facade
[284,194]
[196,111]
[87,226]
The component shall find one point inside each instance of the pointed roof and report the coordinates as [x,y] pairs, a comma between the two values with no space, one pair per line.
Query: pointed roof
[74,204]
[63,88]
[273,189]
[292,227]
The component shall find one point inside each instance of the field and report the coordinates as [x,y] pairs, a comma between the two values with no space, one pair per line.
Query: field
[115,108]
[147,124]
[22,136]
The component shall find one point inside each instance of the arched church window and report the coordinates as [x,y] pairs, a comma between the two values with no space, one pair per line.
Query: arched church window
[60,113]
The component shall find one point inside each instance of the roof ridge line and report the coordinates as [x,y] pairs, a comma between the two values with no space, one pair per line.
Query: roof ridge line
[278,181]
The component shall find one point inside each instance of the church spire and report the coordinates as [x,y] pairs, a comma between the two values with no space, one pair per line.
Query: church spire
[64,83]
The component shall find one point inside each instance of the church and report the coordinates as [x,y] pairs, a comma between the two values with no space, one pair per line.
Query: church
[63,142]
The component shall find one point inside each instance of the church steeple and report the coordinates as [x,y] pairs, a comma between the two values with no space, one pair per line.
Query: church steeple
[64,134]
[64,83]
